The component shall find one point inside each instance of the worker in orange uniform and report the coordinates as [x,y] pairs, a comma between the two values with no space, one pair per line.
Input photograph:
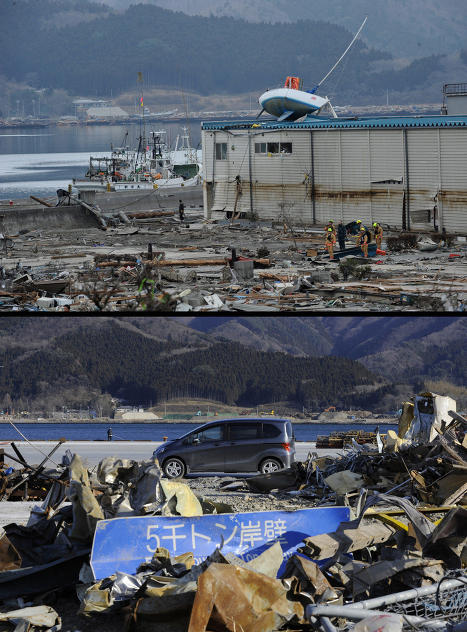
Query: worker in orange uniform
[359,226]
[378,235]
[364,242]
[329,243]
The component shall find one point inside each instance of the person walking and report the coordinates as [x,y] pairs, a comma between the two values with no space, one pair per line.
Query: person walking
[329,243]
[364,241]
[109,434]
[341,235]
[181,210]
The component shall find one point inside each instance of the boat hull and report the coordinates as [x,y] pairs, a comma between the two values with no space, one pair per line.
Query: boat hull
[299,103]
[127,185]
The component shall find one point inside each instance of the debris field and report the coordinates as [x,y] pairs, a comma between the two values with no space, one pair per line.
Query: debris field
[396,561]
[154,262]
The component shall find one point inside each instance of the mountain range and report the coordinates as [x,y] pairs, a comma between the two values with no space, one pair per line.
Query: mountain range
[318,361]
[418,28]
[93,49]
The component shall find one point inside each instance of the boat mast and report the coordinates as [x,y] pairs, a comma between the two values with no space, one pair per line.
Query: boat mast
[340,58]
[142,125]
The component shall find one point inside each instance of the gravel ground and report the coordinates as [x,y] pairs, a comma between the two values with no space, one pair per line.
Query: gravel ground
[240,501]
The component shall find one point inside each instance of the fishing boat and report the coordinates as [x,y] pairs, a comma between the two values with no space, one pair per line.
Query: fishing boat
[186,161]
[151,166]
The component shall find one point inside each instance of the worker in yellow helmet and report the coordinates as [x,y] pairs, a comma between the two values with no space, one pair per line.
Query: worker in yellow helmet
[364,241]
[357,238]
[329,225]
[378,229]
[329,243]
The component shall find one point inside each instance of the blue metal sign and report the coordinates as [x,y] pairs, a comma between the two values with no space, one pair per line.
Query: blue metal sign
[122,544]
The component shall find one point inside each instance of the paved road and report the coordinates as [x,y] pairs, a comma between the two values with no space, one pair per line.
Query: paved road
[94,451]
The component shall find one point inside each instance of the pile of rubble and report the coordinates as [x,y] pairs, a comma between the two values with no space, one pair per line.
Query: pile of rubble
[155,262]
[372,539]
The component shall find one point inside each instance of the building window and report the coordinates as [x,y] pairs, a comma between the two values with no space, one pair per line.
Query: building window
[260,148]
[221,151]
[286,148]
[273,148]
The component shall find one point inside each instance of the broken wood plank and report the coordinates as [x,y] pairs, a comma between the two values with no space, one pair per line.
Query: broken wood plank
[321,547]
[78,254]
[456,496]
[166,262]
[148,214]
[36,199]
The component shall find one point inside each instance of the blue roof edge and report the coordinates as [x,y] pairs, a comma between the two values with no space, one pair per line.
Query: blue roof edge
[312,122]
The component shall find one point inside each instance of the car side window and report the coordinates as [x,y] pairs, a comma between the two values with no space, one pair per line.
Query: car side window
[270,431]
[214,433]
[243,431]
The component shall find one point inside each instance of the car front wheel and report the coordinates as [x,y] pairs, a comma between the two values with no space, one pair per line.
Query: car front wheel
[174,468]
[270,465]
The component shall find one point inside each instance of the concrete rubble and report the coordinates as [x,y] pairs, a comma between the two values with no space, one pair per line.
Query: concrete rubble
[153,262]
[398,562]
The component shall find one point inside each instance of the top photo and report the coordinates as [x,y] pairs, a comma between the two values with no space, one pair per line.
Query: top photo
[203,156]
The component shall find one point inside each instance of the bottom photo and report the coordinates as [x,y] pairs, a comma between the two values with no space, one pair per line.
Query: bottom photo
[228,473]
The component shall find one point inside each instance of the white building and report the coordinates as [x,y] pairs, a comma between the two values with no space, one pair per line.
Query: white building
[405,172]
[455,99]
[107,112]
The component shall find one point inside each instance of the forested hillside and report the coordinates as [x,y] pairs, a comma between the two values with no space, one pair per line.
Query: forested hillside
[47,44]
[132,365]
[413,29]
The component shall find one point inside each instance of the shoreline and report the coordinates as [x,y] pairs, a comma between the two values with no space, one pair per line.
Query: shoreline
[367,422]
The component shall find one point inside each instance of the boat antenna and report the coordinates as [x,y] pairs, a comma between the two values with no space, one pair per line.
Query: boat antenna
[142,122]
[340,58]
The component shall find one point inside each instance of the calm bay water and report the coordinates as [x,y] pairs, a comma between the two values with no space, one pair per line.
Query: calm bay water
[151,432]
[40,161]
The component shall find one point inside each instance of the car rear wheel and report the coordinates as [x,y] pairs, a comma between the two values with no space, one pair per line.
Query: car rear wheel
[174,468]
[270,465]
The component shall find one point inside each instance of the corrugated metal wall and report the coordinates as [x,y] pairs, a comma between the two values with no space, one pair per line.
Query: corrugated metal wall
[424,176]
[453,167]
[281,186]
[358,174]
[356,192]
[387,176]
[327,175]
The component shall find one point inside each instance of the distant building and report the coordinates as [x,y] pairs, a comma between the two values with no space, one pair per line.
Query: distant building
[107,112]
[455,99]
[97,109]
[82,105]
[406,172]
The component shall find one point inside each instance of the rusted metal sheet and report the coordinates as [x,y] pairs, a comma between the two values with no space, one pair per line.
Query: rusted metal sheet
[9,556]
[240,599]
